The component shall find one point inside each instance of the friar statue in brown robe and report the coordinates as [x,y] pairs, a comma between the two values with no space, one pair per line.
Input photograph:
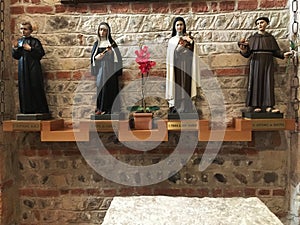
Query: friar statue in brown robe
[261,47]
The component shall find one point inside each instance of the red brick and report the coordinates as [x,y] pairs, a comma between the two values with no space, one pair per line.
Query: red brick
[109,192]
[250,192]
[71,153]
[77,75]
[227,6]
[120,8]
[39,9]
[247,5]
[273,4]
[93,192]
[160,7]
[13,2]
[233,192]
[157,73]
[230,72]
[189,192]
[203,192]
[98,8]
[279,192]
[199,7]
[79,8]
[49,75]
[214,6]
[57,152]
[144,191]
[14,10]
[140,8]
[178,8]
[126,191]
[170,192]
[35,1]
[63,75]
[64,192]
[88,76]
[43,152]
[60,8]
[47,193]
[217,193]
[264,192]
[77,191]
[29,152]
[27,192]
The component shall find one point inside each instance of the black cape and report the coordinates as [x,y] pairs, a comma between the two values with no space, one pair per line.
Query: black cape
[30,78]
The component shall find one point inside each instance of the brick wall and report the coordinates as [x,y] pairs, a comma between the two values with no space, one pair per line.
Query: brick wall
[68,32]
[57,185]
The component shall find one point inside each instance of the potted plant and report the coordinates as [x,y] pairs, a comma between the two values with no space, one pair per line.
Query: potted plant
[142,116]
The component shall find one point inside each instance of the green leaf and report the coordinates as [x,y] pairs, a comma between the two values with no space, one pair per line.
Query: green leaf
[292,45]
[138,108]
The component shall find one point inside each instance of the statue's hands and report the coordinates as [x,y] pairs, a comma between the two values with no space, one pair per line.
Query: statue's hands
[188,39]
[99,56]
[14,43]
[243,45]
[290,53]
[26,47]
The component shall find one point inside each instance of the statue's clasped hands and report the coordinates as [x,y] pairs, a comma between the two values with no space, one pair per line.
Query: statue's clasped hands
[102,54]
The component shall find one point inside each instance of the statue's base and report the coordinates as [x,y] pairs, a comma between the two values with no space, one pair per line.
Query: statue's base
[105,117]
[33,116]
[183,116]
[262,115]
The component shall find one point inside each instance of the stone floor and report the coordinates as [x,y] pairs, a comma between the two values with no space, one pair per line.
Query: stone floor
[163,210]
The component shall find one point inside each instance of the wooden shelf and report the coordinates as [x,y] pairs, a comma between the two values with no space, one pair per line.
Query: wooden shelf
[55,130]
[58,130]
[241,130]
[22,125]
[159,134]
[272,124]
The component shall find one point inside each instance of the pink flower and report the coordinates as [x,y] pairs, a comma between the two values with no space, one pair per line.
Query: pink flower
[143,59]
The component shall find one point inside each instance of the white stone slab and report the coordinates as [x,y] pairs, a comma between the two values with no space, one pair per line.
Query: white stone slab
[164,210]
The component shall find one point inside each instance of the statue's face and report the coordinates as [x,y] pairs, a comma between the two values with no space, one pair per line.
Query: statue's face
[25,30]
[179,26]
[103,31]
[261,25]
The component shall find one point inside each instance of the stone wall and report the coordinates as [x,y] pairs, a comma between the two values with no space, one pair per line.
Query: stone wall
[9,203]
[57,185]
[68,33]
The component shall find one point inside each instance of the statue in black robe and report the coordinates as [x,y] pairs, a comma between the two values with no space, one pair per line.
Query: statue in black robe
[29,51]
[106,65]
[262,48]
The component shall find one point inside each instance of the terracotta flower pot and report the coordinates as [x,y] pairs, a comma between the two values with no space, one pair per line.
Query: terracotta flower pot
[142,121]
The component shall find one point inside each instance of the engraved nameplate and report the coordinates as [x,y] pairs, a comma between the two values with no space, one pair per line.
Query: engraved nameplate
[183,125]
[26,126]
[276,124]
[104,126]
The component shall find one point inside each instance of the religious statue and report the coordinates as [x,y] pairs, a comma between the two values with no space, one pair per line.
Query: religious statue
[29,51]
[179,62]
[106,65]
[262,48]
